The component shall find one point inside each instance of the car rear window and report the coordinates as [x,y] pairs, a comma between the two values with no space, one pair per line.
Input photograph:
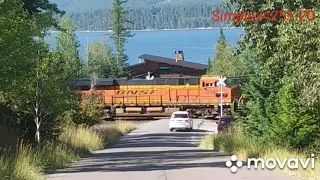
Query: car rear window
[180,116]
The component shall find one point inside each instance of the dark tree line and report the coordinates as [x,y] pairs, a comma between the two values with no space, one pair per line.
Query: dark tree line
[167,16]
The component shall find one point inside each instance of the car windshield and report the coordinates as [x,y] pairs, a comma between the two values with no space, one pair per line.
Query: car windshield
[179,116]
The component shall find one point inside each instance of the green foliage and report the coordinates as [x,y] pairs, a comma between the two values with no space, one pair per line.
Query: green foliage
[37,6]
[120,31]
[31,77]
[223,61]
[282,99]
[36,95]
[67,46]
[45,12]
[17,32]
[100,60]
[92,108]
[209,66]
[292,123]
[227,63]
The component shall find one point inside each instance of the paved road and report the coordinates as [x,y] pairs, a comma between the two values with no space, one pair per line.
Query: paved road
[152,152]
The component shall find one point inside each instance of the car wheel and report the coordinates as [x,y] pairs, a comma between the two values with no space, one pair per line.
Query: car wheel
[171,129]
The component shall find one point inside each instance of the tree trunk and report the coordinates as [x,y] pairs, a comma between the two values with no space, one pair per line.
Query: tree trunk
[37,134]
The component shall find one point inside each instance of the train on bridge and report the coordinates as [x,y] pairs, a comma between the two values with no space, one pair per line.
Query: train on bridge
[161,96]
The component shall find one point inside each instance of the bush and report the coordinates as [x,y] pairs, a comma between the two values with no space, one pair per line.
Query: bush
[91,109]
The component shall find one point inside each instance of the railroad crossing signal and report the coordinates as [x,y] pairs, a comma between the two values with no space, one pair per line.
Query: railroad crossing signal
[221,81]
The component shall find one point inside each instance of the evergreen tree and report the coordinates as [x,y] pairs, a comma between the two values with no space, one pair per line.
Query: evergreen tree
[224,59]
[67,46]
[45,12]
[228,64]
[209,66]
[220,48]
[120,31]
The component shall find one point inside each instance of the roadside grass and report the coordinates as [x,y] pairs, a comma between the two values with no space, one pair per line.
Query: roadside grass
[304,174]
[29,163]
[234,142]
[112,132]
[81,139]
[5,167]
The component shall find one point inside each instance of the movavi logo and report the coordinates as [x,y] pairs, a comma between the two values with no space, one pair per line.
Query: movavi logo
[271,163]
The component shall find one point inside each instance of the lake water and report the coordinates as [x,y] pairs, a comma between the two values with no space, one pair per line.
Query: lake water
[197,45]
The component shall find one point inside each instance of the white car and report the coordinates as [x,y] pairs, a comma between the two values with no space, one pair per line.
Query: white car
[180,120]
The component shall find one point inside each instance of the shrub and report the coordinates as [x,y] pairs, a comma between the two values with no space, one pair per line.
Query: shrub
[91,109]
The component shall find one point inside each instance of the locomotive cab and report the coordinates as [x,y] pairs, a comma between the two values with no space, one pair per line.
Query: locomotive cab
[209,81]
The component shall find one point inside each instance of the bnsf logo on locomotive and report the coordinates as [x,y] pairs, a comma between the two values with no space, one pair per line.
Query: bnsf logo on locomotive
[136,91]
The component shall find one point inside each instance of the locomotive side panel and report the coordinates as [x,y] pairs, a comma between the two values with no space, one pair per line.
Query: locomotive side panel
[187,95]
[210,96]
[152,95]
[164,95]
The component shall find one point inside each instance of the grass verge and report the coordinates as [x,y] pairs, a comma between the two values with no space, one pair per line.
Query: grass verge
[73,143]
[234,142]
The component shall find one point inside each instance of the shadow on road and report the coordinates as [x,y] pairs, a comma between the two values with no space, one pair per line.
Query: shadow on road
[171,139]
[152,152]
[147,161]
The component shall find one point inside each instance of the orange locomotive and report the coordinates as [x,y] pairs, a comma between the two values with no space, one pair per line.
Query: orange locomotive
[199,95]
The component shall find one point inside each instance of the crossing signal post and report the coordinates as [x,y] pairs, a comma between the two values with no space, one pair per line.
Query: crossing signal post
[221,83]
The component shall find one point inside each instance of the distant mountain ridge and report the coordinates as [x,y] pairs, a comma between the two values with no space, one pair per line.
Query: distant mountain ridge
[146,14]
[81,6]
